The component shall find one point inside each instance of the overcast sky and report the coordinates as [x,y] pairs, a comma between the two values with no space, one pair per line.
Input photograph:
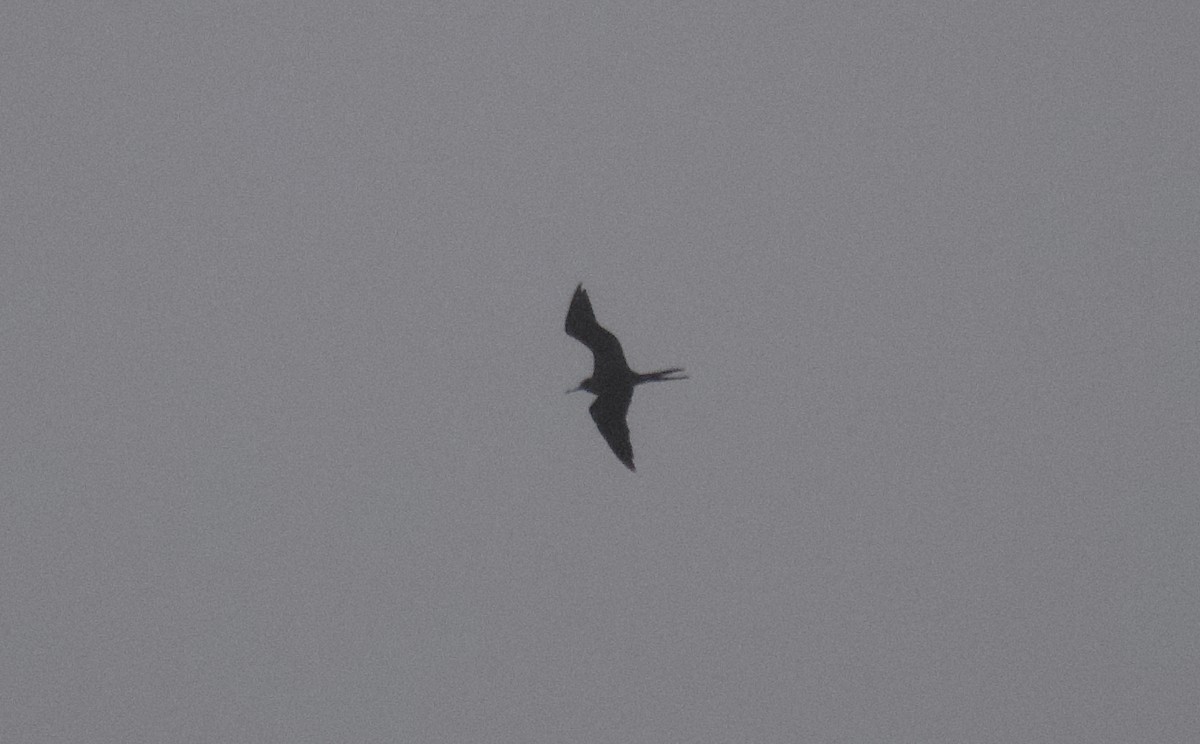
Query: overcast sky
[286,455]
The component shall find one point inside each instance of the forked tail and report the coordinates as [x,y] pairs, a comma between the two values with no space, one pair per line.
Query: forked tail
[661,375]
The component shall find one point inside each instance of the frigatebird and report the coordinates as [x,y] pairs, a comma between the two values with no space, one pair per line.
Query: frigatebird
[612,380]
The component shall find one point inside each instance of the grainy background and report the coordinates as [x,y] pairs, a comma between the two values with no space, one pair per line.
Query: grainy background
[285,455]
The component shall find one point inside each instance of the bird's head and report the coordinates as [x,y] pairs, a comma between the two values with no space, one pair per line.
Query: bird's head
[585,385]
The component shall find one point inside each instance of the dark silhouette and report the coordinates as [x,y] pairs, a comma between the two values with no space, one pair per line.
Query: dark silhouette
[612,380]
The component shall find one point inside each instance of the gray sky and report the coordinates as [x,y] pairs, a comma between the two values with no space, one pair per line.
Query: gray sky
[286,455]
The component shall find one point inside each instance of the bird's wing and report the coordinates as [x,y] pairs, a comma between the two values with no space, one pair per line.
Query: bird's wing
[608,411]
[606,349]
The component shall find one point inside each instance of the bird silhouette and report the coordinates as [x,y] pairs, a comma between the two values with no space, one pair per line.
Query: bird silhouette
[612,380]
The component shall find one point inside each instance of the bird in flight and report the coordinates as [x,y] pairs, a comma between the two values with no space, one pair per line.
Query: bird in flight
[612,380]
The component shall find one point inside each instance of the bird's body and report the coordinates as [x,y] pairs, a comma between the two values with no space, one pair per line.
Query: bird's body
[612,380]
